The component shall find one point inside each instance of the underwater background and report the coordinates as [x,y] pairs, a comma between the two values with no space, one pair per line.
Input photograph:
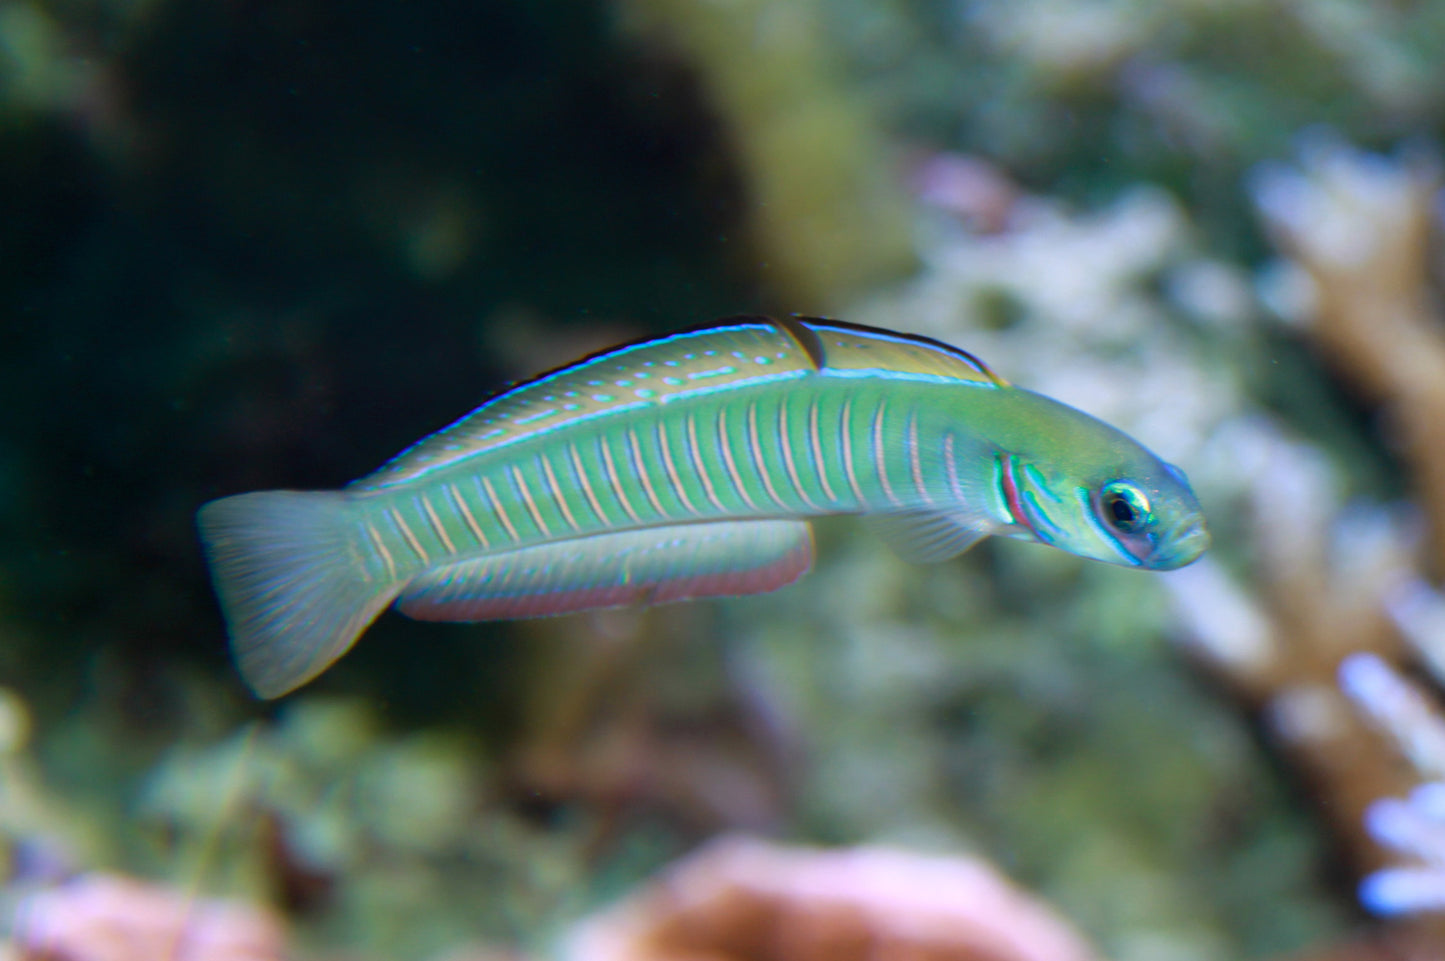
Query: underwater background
[268,245]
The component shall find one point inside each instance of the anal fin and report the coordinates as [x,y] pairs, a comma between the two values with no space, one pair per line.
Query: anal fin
[648,566]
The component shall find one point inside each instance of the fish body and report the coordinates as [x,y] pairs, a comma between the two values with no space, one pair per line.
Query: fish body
[684,467]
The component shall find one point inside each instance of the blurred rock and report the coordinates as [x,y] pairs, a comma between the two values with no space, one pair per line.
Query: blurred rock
[741,899]
[103,917]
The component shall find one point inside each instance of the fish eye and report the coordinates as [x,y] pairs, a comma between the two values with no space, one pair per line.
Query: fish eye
[1124,507]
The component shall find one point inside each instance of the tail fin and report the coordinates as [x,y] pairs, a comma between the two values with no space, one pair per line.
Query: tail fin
[294,587]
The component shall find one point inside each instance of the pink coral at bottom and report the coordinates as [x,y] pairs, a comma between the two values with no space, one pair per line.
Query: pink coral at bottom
[740,899]
[100,917]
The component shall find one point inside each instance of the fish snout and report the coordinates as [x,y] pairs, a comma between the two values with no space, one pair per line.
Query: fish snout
[1180,546]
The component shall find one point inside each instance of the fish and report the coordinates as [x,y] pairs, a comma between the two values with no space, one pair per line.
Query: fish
[684,467]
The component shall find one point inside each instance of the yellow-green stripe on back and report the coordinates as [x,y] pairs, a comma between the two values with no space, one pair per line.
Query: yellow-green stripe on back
[750,351]
[682,467]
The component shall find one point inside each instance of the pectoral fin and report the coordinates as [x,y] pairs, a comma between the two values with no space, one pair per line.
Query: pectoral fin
[927,537]
[649,566]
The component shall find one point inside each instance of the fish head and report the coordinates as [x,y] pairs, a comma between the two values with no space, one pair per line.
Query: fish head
[1145,517]
[1151,518]
[1078,484]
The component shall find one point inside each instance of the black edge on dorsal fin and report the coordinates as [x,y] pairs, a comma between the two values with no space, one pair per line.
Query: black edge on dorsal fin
[806,338]
[944,346]
[761,320]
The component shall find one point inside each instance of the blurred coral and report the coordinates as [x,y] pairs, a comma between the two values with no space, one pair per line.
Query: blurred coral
[741,899]
[1359,228]
[101,917]
[980,194]
[1319,593]
[1399,708]
[1413,827]
[1336,585]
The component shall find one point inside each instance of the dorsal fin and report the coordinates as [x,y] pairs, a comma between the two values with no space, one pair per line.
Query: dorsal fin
[734,352]
[853,350]
[806,337]
[731,353]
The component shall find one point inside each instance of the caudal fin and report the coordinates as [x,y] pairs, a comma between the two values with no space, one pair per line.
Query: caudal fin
[290,572]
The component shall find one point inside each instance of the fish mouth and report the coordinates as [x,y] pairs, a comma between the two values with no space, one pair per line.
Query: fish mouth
[1181,546]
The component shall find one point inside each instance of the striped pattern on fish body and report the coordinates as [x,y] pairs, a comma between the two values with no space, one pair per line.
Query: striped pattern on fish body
[748,352]
[572,453]
[675,468]
[757,455]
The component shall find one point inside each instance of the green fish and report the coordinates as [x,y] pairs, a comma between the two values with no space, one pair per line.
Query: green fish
[684,467]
